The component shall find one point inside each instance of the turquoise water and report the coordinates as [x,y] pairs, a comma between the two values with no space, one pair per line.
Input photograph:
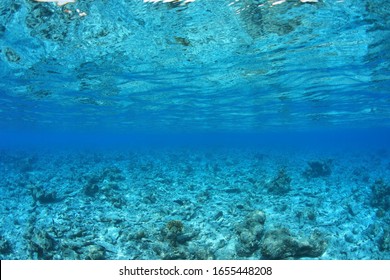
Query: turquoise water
[219,129]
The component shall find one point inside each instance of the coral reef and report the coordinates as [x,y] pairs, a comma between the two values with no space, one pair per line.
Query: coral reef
[147,206]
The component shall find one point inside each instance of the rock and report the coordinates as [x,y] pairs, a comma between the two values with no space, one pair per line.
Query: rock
[384,242]
[44,196]
[69,254]
[318,169]
[174,233]
[95,252]
[280,184]
[380,195]
[5,246]
[350,238]
[250,233]
[91,189]
[11,55]
[42,245]
[279,244]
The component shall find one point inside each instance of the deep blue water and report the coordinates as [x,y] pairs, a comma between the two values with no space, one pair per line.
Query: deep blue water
[134,114]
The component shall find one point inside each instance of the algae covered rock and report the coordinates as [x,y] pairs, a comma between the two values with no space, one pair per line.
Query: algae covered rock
[255,218]
[174,233]
[69,254]
[42,245]
[174,254]
[380,194]
[249,233]
[318,169]
[384,242]
[44,196]
[95,252]
[176,242]
[5,246]
[279,244]
[92,188]
[280,184]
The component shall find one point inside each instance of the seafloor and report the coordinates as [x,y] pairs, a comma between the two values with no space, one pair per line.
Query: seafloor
[195,204]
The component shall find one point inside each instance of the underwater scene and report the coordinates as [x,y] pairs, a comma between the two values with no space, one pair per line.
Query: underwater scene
[195,129]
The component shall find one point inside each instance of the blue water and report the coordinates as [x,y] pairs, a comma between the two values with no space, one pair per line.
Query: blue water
[132,130]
